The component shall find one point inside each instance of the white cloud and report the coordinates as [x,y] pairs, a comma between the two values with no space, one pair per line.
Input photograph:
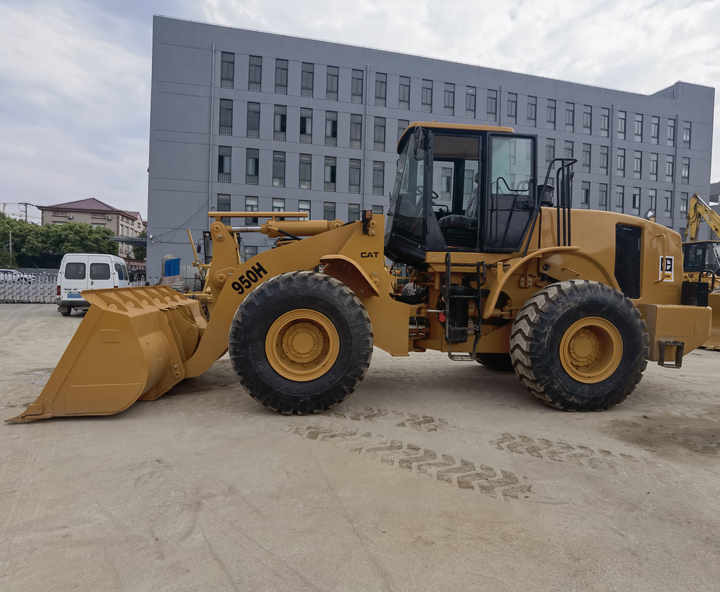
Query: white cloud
[75,76]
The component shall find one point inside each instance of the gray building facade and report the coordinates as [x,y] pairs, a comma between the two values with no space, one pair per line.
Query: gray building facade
[243,120]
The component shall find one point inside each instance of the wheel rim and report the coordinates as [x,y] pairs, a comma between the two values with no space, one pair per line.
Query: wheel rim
[591,349]
[302,344]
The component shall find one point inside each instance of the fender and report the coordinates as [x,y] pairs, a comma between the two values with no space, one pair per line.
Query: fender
[572,252]
[348,271]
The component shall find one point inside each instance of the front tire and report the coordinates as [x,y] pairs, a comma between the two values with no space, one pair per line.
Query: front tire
[301,342]
[579,346]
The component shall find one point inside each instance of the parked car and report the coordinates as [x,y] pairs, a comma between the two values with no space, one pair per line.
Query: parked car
[13,275]
[87,271]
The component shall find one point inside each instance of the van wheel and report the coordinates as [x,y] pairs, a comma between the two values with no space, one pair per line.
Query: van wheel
[65,310]
[579,346]
[301,342]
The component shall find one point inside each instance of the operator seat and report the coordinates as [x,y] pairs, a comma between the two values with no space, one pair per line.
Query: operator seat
[459,231]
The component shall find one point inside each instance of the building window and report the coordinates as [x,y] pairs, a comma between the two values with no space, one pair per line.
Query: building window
[307,79]
[654,129]
[621,162]
[379,134]
[355,131]
[532,111]
[331,83]
[330,173]
[252,166]
[587,119]
[380,89]
[619,198]
[446,176]
[652,200]
[305,171]
[402,126]
[356,86]
[255,73]
[227,69]
[223,205]
[512,106]
[636,199]
[685,170]
[604,122]
[604,160]
[251,205]
[551,113]
[585,194]
[686,133]
[280,123]
[683,203]
[281,76]
[638,127]
[603,196]
[671,132]
[621,124]
[353,212]
[329,210]
[549,150]
[378,178]
[653,168]
[278,204]
[249,251]
[331,121]
[404,92]
[570,117]
[492,101]
[306,126]
[226,117]
[449,98]
[377,209]
[586,156]
[569,149]
[278,169]
[426,93]
[224,164]
[253,120]
[668,200]
[637,164]
[304,206]
[354,175]
[470,101]
[669,168]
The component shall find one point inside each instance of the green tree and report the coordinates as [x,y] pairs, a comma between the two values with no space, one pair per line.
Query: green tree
[140,251]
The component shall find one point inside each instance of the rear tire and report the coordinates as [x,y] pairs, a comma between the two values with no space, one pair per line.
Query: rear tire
[496,362]
[301,342]
[65,311]
[579,346]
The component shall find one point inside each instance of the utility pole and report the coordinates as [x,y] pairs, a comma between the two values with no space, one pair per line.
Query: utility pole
[26,204]
[10,247]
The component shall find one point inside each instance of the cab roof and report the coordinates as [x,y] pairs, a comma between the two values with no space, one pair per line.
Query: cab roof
[468,127]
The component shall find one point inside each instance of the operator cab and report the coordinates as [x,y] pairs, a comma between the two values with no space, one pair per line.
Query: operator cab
[702,256]
[461,188]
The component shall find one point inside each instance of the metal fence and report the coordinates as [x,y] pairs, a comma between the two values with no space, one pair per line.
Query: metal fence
[38,288]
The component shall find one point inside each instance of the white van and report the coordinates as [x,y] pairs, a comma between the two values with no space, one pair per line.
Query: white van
[87,271]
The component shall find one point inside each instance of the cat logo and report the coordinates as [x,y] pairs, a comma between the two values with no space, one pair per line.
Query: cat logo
[368,254]
[667,268]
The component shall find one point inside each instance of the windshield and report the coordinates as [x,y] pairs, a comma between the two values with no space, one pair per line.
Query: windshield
[405,215]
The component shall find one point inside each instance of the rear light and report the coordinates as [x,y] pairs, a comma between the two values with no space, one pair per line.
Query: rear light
[58,290]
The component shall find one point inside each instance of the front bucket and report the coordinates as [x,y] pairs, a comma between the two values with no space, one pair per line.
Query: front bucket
[132,343]
[714,341]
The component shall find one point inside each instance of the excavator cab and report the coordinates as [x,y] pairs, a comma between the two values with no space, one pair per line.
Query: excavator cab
[702,256]
[461,188]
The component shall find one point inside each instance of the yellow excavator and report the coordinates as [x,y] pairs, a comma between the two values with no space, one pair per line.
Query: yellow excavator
[502,271]
[701,263]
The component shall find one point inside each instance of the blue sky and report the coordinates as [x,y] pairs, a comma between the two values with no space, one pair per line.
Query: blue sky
[75,76]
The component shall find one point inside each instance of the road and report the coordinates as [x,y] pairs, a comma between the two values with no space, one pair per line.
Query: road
[434,475]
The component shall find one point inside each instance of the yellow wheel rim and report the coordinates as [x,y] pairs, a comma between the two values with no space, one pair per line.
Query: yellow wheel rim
[591,349]
[302,345]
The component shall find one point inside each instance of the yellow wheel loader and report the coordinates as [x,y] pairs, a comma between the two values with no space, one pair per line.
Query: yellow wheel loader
[702,263]
[502,271]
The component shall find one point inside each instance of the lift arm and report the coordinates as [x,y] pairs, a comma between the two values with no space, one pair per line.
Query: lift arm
[698,210]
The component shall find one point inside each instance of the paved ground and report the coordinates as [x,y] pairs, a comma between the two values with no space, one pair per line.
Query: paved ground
[434,475]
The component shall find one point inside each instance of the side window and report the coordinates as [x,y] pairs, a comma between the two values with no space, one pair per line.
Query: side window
[99,271]
[74,271]
[628,251]
[122,273]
